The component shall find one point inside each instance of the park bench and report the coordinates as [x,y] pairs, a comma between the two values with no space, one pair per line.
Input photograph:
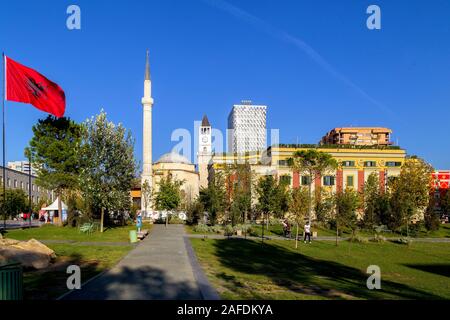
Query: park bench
[142,234]
[87,228]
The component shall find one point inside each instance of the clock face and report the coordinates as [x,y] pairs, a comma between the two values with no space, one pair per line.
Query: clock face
[205,139]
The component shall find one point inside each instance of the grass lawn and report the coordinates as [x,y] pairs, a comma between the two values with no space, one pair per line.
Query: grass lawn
[93,259]
[51,283]
[277,230]
[246,269]
[51,232]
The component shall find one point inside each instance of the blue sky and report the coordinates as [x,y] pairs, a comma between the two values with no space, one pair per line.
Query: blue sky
[314,63]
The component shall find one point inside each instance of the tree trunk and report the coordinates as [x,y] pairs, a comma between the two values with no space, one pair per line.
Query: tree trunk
[310,199]
[102,217]
[167,218]
[262,228]
[407,229]
[59,221]
[296,237]
[337,234]
[267,223]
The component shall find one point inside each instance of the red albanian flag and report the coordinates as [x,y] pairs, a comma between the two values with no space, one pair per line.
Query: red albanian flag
[26,85]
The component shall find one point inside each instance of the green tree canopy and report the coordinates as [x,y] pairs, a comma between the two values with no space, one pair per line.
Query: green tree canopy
[108,166]
[347,202]
[213,198]
[54,151]
[313,164]
[16,202]
[168,196]
[410,191]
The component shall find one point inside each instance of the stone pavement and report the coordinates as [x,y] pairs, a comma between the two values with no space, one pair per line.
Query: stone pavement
[161,267]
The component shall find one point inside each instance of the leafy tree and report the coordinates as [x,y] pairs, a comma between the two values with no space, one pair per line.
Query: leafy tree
[313,164]
[168,196]
[298,207]
[431,216]
[108,166]
[272,198]
[371,196]
[213,198]
[195,212]
[240,192]
[16,202]
[323,205]
[410,192]
[54,152]
[347,202]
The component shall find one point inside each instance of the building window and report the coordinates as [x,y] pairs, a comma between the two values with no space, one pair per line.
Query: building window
[305,181]
[15,184]
[328,181]
[370,164]
[8,182]
[32,186]
[286,180]
[393,164]
[283,163]
[21,184]
[350,181]
[348,163]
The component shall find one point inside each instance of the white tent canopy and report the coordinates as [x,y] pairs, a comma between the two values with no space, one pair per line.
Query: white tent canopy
[54,206]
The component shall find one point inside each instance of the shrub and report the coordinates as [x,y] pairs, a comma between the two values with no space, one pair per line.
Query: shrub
[202,228]
[359,239]
[378,238]
[229,231]
[274,221]
[403,241]
[173,219]
[216,229]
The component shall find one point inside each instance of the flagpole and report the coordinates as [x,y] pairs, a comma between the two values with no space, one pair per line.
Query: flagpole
[3,140]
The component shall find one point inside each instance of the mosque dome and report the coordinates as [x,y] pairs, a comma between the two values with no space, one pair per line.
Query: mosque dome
[173,157]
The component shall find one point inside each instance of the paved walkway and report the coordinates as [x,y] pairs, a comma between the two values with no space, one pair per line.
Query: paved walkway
[162,267]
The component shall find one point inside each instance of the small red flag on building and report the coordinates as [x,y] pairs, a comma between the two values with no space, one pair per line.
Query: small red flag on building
[26,85]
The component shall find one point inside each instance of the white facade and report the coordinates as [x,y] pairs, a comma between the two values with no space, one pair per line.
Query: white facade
[22,166]
[247,128]
[147,104]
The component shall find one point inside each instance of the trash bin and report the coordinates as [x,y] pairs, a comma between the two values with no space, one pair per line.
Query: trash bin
[11,282]
[133,236]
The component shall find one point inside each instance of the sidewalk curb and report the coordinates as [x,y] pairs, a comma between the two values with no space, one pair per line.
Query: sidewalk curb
[207,291]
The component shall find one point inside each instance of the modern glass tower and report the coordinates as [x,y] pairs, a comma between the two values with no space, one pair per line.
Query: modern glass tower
[247,128]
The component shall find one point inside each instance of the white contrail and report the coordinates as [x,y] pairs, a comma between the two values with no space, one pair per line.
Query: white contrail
[297,42]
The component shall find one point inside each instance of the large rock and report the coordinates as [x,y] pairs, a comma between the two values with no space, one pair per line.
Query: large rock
[8,242]
[30,253]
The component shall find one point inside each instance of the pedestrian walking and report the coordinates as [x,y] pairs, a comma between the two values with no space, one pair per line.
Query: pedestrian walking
[307,233]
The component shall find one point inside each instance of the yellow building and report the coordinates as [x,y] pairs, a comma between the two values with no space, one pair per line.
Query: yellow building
[355,165]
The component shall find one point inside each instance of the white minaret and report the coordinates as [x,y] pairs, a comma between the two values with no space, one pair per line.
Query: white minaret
[147,104]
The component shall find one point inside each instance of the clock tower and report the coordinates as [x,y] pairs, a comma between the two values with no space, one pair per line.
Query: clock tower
[204,154]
